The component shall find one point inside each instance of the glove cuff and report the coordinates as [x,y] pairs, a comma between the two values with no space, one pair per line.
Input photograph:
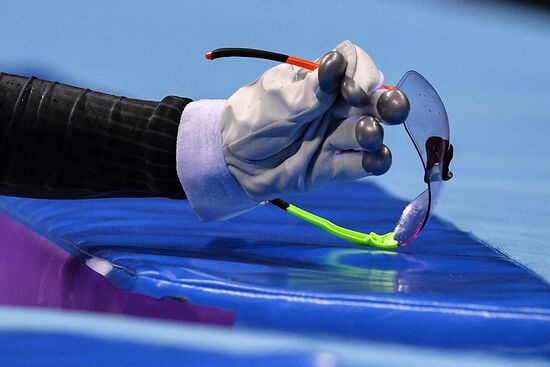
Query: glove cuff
[212,191]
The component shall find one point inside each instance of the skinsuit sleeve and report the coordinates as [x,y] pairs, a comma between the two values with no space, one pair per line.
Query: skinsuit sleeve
[59,141]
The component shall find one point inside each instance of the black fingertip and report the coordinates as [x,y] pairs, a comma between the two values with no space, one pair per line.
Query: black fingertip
[379,162]
[393,106]
[369,133]
[331,71]
[353,93]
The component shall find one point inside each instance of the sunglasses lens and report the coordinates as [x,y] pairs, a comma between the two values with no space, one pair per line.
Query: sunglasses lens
[428,127]
[416,214]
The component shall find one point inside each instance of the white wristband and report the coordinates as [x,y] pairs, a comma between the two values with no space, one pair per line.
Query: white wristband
[212,191]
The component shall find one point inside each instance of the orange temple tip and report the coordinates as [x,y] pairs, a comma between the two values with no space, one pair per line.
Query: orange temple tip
[306,64]
[209,55]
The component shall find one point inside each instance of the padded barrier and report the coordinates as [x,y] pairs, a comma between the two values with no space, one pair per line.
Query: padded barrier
[446,290]
[35,272]
[30,337]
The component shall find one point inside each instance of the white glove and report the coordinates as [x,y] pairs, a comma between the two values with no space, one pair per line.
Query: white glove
[289,131]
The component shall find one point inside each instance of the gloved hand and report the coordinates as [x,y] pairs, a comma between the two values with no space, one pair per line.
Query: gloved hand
[292,130]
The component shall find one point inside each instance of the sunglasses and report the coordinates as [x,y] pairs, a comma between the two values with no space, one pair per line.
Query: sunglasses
[427,126]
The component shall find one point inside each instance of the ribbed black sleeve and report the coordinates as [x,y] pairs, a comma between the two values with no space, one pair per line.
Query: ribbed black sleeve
[59,141]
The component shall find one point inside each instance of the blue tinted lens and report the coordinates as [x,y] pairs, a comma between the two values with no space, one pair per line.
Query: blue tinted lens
[428,127]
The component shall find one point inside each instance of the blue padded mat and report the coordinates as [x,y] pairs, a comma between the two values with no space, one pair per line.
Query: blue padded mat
[30,337]
[446,290]
[98,352]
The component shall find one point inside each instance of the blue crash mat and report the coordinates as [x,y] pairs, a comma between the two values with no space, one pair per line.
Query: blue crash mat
[447,289]
[31,337]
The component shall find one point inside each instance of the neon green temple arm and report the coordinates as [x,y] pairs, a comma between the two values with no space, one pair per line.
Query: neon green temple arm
[386,242]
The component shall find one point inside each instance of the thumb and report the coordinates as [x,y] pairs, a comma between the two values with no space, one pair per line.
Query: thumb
[332,68]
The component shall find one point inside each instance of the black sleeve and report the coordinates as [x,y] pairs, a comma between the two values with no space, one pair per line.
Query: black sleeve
[59,141]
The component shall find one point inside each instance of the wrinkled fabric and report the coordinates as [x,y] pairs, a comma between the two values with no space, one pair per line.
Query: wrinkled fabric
[277,131]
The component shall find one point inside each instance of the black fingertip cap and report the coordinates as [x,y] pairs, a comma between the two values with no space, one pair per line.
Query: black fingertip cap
[369,133]
[379,162]
[393,106]
[354,94]
[331,71]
